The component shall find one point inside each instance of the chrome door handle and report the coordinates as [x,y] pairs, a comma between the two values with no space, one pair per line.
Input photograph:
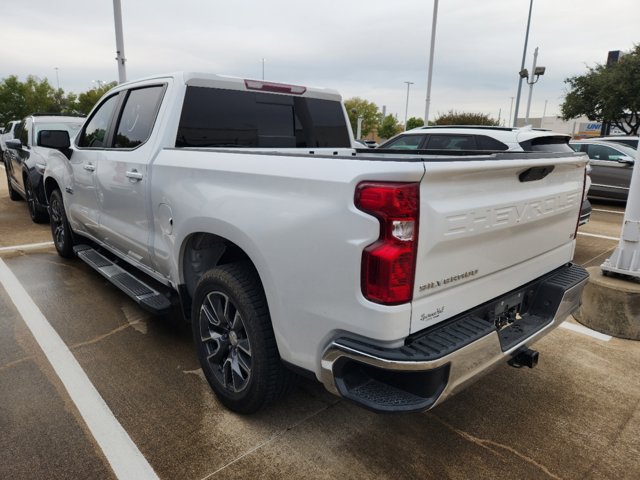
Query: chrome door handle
[133,174]
[89,167]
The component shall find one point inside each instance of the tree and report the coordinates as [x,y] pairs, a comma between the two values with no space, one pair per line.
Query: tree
[465,118]
[607,94]
[19,99]
[358,107]
[389,127]
[88,99]
[414,122]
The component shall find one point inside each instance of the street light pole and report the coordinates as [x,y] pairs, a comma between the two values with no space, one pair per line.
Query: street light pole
[524,56]
[406,107]
[531,81]
[625,259]
[117,17]
[57,78]
[429,75]
[263,60]
[510,110]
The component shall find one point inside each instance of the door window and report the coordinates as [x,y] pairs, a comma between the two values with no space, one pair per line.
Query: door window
[406,142]
[138,116]
[602,152]
[451,142]
[94,134]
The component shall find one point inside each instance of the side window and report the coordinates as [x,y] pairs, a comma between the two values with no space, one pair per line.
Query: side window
[577,147]
[488,143]
[602,152]
[451,142]
[406,142]
[94,134]
[138,116]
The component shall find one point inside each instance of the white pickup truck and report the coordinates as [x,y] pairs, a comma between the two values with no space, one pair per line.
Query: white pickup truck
[394,279]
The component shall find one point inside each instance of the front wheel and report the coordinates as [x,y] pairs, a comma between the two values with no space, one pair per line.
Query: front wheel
[60,228]
[13,195]
[35,210]
[234,339]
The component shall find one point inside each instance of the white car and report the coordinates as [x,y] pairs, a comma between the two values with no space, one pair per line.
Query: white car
[476,138]
[480,138]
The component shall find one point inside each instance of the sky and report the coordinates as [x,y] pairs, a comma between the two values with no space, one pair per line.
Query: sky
[367,48]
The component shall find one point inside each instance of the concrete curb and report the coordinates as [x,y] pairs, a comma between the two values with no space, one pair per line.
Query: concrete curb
[610,305]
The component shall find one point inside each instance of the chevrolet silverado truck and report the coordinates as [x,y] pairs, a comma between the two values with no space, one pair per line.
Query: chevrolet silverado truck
[394,278]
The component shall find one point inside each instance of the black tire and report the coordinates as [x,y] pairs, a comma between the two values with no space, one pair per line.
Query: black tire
[35,210]
[13,195]
[60,229]
[234,339]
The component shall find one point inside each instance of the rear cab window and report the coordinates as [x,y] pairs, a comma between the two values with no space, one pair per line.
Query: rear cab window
[214,117]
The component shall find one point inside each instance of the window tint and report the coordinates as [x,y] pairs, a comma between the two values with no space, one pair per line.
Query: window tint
[488,143]
[138,116]
[451,142]
[405,142]
[547,144]
[214,117]
[94,133]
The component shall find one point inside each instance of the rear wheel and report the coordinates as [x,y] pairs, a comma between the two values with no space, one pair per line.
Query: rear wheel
[35,210]
[60,229]
[234,339]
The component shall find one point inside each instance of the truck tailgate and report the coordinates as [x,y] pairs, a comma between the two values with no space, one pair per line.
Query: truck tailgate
[488,226]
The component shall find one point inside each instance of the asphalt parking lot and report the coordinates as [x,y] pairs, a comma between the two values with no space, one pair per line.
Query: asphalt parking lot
[575,416]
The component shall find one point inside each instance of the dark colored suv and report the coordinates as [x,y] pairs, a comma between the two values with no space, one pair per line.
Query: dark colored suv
[25,159]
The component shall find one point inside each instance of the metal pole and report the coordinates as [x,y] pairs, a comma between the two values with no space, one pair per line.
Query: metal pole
[510,110]
[531,81]
[544,112]
[625,259]
[263,69]
[359,129]
[524,56]
[429,75]
[57,78]
[406,107]
[120,58]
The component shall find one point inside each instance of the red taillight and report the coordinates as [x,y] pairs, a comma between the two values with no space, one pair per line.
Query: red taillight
[274,87]
[388,265]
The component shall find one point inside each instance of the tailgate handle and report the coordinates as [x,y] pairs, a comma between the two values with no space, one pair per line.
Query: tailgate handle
[535,173]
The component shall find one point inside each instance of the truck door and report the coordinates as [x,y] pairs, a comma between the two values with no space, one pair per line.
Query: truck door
[82,206]
[121,178]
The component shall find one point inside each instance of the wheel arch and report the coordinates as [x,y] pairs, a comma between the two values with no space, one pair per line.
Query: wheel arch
[202,251]
[50,184]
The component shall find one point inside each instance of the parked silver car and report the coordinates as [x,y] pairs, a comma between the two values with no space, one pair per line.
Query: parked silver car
[611,168]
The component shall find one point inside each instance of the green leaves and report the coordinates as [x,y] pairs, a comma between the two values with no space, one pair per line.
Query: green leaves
[607,94]
[359,107]
[19,99]
[464,118]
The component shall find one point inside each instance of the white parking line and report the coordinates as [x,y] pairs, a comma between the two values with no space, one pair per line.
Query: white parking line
[605,237]
[28,246]
[607,211]
[122,454]
[585,331]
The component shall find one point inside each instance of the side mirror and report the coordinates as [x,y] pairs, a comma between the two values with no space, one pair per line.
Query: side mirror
[14,143]
[58,139]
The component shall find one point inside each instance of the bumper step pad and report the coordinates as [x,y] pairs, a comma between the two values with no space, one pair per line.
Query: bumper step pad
[144,295]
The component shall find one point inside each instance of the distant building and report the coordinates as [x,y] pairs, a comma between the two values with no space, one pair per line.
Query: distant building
[580,127]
